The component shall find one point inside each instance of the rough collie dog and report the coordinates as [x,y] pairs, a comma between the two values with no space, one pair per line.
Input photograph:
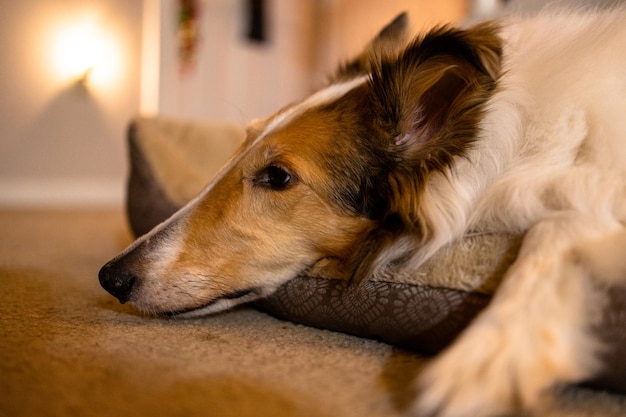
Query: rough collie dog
[509,126]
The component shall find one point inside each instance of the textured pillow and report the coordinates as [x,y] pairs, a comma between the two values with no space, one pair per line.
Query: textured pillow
[423,310]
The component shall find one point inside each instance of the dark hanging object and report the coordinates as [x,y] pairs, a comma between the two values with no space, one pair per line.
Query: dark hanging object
[256,21]
[188,33]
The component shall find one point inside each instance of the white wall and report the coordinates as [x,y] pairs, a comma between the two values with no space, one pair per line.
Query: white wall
[236,80]
[60,141]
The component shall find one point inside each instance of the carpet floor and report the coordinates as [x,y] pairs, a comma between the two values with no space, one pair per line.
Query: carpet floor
[67,348]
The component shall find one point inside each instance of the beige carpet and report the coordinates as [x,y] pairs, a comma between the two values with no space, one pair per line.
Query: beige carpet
[69,349]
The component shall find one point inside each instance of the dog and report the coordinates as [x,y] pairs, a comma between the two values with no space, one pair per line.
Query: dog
[506,126]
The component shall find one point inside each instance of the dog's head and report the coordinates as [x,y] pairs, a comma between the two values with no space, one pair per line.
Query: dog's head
[339,175]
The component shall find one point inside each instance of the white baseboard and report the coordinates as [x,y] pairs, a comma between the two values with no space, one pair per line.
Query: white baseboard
[61,192]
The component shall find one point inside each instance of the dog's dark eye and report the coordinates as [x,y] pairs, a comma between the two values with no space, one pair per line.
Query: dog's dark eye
[274,177]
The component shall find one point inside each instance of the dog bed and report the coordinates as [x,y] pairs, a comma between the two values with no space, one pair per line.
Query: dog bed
[171,160]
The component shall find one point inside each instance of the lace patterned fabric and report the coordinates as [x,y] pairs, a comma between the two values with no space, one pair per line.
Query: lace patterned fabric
[418,317]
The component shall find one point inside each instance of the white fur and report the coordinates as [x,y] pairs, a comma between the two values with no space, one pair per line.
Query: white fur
[327,95]
[551,161]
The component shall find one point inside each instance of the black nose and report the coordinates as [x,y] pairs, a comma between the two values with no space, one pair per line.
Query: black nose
[117,280]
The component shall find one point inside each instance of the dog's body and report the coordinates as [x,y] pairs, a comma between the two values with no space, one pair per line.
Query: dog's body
[513,126]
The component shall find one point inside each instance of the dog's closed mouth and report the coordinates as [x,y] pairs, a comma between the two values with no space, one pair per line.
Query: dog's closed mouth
[218,304]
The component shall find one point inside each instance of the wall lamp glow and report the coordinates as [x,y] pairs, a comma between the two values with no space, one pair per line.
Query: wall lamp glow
[85,54]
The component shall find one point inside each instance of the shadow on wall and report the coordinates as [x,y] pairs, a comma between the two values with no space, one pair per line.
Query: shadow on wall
[74,129]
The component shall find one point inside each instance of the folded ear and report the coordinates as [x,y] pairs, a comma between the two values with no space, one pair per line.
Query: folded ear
[430,99]
[427,103]
[389,41]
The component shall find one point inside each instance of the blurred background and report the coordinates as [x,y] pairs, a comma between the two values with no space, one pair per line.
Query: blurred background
[73,73]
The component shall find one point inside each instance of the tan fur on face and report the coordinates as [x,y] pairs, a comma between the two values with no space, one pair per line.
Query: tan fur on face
[243,236]
[251,234]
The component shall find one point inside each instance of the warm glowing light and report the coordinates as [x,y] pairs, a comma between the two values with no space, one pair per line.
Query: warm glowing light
[85,53]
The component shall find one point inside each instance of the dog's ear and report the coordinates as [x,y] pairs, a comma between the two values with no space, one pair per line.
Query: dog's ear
[389,42]
[427,104]
[429,100]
